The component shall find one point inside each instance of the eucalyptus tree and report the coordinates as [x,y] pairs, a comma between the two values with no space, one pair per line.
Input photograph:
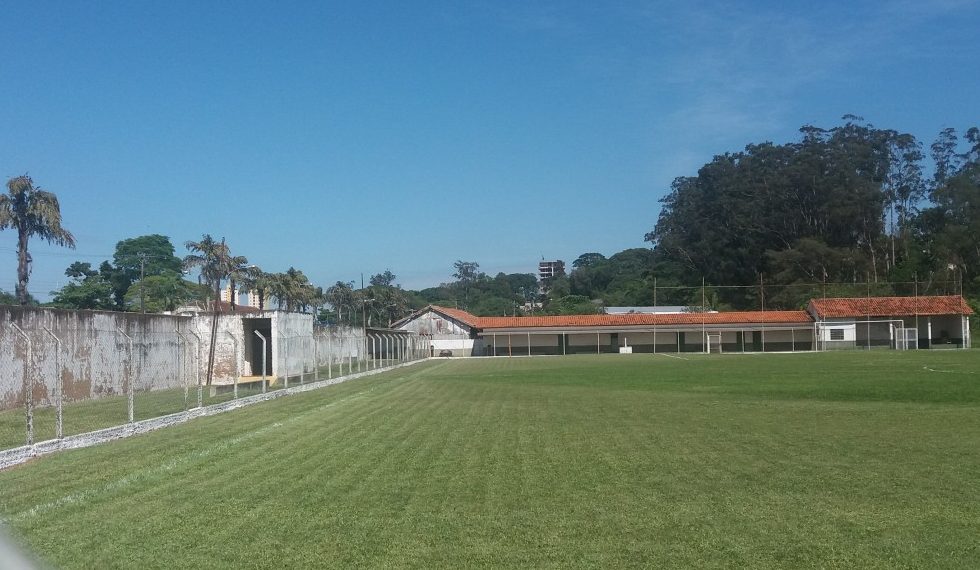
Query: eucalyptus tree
[32,212]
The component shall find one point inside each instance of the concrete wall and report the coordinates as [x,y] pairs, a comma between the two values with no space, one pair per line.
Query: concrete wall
[337,344]
[296,348]
[94,358]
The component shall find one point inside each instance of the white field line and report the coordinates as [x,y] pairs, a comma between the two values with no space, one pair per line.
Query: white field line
[926,368]
[84,496]
[672,356]
[17,455]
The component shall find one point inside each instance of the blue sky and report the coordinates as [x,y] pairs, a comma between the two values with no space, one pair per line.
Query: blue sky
[352,138]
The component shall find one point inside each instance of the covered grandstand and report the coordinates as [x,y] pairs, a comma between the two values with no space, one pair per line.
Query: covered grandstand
[827,323]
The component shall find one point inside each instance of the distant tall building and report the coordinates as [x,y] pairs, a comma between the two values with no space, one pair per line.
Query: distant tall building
[226,295]
[253,298]
[550,269]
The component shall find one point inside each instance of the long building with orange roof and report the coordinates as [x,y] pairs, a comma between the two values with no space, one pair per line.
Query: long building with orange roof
[896,322]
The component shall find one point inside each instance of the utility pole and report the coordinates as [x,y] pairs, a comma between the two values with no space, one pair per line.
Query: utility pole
[142,257]
[363,324]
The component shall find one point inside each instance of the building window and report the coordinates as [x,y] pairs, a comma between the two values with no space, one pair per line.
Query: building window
[836,334]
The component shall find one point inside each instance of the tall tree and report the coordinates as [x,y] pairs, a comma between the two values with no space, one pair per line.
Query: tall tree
[722,223]
[211,258]
[163,292]
[89,289]
[386,279]
[341,297]
[32,212]
[141,257]
[256,282]
[904,189]
[950,229]
[239,271]
[293,290]
[214,260]
[466,273]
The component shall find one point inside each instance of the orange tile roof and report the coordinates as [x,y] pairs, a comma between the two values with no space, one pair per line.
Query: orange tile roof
[889,306]
[457,314]
[636,319]
[624,320]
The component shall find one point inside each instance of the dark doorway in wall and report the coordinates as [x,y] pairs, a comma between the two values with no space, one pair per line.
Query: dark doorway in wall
[253,344]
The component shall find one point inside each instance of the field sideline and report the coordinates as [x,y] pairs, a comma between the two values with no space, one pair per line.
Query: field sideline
[807,460]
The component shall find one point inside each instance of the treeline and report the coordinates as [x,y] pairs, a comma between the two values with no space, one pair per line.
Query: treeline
[146,275]
[845,211]
[844,205]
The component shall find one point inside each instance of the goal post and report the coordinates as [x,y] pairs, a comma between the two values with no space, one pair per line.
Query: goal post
[713,342]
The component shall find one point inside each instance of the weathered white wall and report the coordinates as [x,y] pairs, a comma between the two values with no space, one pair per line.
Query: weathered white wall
[338,343]
[435,327]
[441,334]
[295,344]
[95,357]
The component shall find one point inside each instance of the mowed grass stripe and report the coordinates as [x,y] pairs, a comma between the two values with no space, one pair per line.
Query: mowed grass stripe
[847,460]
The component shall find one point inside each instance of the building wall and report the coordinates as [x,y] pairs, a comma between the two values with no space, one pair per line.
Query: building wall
[436,327]
[772,340]
[94,358]
[878,332]
[442,334]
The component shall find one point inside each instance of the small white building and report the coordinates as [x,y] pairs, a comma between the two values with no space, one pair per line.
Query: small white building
[895,322]
[444,331]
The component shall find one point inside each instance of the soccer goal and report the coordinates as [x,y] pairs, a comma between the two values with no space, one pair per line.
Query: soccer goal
[714,343]
[906,338]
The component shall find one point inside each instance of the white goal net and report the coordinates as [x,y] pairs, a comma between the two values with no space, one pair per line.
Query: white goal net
[714,343]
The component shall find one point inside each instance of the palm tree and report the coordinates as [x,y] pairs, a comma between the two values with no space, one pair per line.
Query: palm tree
[292,290]
[212,258]
[32,212]
[239,271]
[215,261]
[257,282]
[341,297]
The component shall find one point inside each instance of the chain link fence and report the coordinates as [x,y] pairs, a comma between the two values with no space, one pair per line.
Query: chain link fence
[62,375]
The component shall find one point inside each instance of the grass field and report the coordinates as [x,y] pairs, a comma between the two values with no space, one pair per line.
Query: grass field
[850,460]
[98,413]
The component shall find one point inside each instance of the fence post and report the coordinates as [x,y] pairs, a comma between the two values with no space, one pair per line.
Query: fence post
[350,359]
[360,356]
[200,387]
[28,384]
[258,334]
[316,359]
[234,342]
[329,336]
[58,387]
[285,361]
[129,374]
[302,364]
[181,370]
